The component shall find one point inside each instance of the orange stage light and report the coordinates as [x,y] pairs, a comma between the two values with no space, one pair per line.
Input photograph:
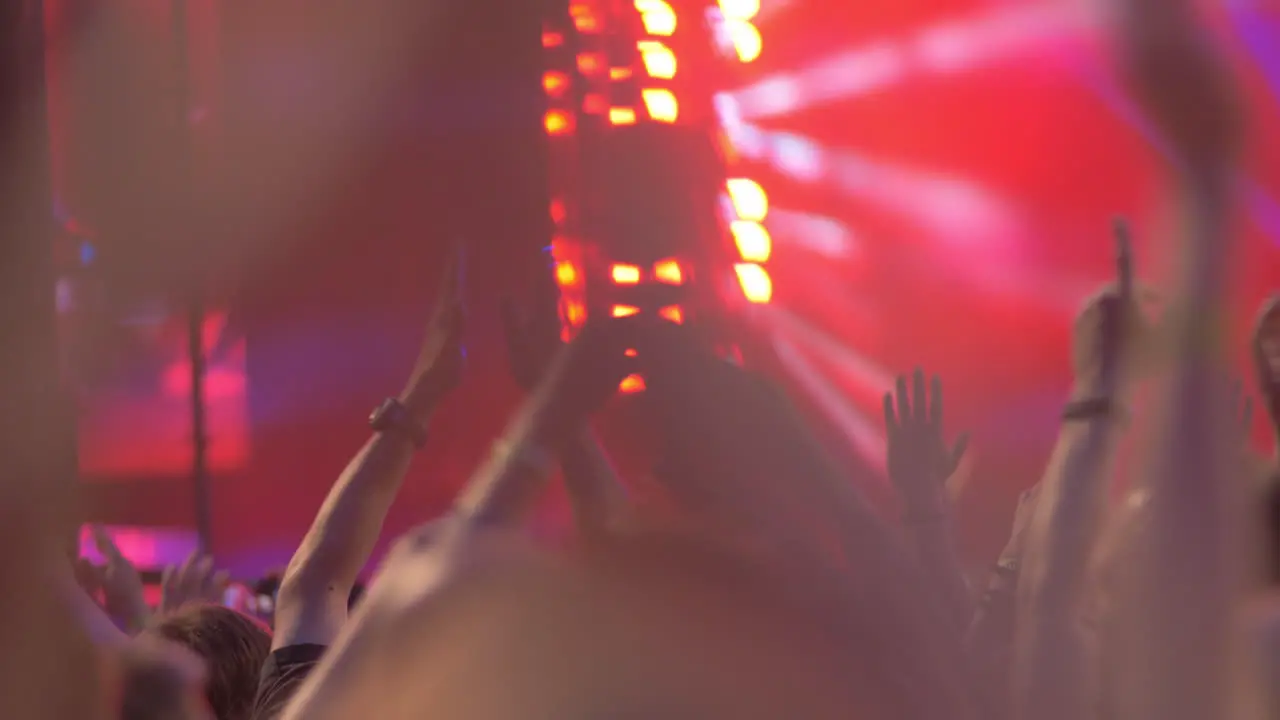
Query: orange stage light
[555,83]
[661,104]
[566,273]
[590,63]
[657,16]
[558,122]
[756,285]
[658,59]
[668,272]
[753,241]
[739,9]
[749,199]
[625,274]
[632,384]
[746,39]
[622,116]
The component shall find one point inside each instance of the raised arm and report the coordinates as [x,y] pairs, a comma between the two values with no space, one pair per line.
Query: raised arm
[740,456]
[989,642]
[1179,603]
[919,463]
[121,584]
[1051,669]
[312,603]
[594,487]
[395,621]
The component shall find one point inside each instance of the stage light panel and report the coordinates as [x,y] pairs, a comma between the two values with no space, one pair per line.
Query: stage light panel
[749,199]
[739,9]
[661,104]
[623,274]
[632,384]
[622,116]
[567,274]
[658,59]
[755,282]
[668,272]
[746,39]
[753,241]
[558,122]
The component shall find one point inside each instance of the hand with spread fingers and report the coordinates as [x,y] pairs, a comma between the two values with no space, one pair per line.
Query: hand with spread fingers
[919,460]
[192,582]
[120,582]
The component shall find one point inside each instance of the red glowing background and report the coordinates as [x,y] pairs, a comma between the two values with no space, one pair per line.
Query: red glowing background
[940,175]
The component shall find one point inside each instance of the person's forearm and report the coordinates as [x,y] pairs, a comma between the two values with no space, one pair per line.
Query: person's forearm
[595,489]
[989,641]
[505,487]
[934,549]
[92,618]
[1048,657]
[347,527]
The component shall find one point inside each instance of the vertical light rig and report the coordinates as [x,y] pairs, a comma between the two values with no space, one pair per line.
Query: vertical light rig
[612,70]
[745,204]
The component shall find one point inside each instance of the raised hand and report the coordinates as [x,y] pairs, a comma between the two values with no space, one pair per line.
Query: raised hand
[919,459]
[585,373]
[1110,334]
[192,582]
[583,376]
[532,333]
[442,359]
[1182,83]
[120,582]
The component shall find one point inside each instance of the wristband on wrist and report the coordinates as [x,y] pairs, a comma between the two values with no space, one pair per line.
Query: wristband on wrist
[393,418]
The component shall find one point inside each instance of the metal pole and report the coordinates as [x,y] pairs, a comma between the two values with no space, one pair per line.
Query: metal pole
[196,301]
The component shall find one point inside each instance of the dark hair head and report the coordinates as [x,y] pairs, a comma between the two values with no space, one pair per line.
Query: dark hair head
[233,647]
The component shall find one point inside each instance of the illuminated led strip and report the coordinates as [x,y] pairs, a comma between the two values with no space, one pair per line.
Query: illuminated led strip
[559,83]
[746,202]
[590,89]
[587,89]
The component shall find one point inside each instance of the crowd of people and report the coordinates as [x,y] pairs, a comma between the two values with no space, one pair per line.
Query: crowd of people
[765,586]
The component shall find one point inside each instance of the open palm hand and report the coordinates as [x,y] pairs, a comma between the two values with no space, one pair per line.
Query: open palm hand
[919,460]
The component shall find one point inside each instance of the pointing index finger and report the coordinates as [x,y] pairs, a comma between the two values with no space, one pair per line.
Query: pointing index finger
[1124,258]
